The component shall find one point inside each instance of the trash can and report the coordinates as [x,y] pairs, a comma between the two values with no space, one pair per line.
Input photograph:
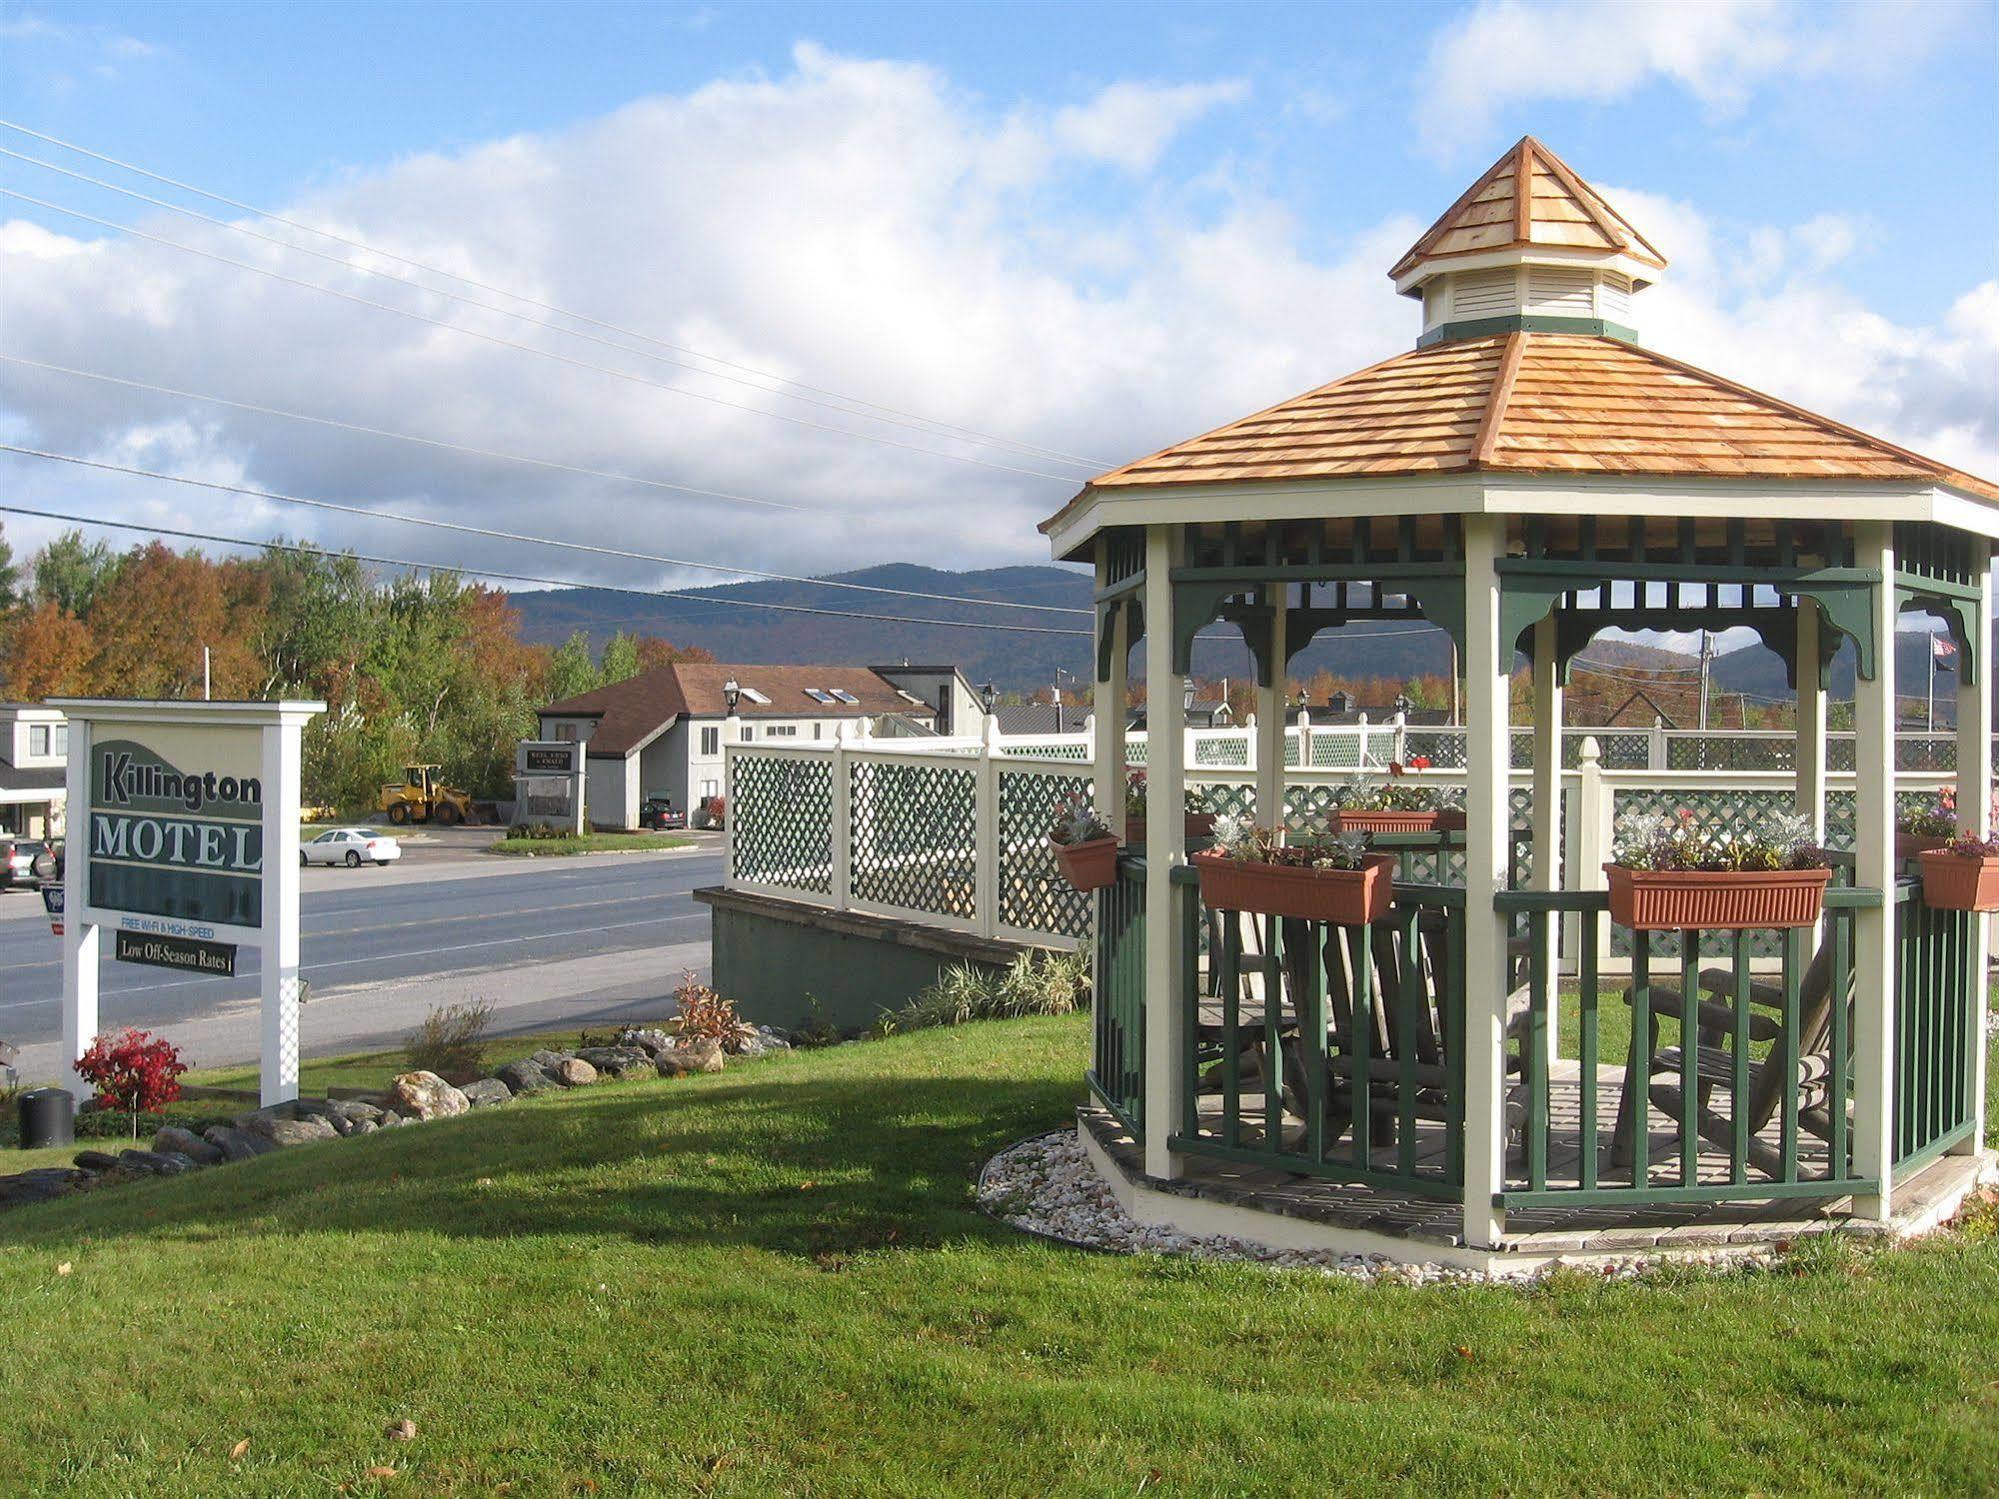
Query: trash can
[48,1117]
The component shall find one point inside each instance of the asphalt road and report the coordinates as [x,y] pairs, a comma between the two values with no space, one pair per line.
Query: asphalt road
[547,942]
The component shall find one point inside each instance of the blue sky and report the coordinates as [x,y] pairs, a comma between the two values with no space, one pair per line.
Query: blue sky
[1094,227]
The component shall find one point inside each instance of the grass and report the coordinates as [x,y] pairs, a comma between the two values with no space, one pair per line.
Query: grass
[587,843]
[774,1280]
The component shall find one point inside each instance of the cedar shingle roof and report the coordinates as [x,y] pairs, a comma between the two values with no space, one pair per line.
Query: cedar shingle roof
[636,708]
[1534,403]
[1557,210]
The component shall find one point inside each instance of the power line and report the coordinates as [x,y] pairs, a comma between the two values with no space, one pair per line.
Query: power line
[430,442]
[508,343]
[916,424]
[464,280]
[679,595]
[493,534]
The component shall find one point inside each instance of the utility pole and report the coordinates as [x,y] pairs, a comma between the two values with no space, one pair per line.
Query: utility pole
[1707,655]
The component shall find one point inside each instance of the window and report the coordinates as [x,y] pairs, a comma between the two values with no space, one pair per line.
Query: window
[38,739]
[844,696]
[711,740]
[711,788]
[62,739]
[749,732]
[783,731]
[756,697]
[565,733]
[816,728]
[819,694]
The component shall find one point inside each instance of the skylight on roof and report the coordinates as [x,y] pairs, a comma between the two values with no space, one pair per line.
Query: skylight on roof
[844,696]
[819,694]
[756,697]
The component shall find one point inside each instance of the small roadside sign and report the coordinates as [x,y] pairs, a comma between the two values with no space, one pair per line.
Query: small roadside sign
[52,903]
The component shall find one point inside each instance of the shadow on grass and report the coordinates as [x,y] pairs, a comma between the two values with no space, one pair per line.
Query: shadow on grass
[782,1156]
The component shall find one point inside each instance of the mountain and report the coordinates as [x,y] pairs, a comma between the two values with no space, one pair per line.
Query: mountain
[1758,673]
[1015,660]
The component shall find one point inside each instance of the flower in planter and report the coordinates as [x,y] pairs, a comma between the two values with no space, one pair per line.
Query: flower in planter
[1134,796]
[1932,817]
[1239,839]
[1679,844]
[1075,823]
[1971,846]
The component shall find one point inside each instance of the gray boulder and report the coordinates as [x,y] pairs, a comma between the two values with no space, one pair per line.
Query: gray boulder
[618,1061]
[548,1061]
[238,1144]
[574,1072]
[39,1185]
[486,1092]
[171,1139]
[282,1131]
[704,1055]
[651,1042]
[154,1163]
[96,1160]
[525,1077]
[425,1095]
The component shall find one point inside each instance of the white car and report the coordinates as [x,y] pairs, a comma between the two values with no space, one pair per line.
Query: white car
[350,846]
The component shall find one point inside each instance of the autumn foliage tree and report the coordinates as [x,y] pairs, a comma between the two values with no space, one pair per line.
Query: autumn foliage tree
[133,1070]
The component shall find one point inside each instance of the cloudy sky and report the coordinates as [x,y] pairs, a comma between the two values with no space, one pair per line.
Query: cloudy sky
[824,244]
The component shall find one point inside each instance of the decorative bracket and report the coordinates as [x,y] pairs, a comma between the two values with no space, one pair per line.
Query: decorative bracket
[1960,617]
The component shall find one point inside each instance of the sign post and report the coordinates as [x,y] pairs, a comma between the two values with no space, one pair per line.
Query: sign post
[183,841]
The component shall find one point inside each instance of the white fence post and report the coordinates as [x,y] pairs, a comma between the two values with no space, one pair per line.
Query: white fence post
[1655,745]
[841,833]
[1592,817]
[985,817]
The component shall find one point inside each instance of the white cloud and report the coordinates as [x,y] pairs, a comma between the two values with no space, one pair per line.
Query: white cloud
[1506,52]
[854,223]
[1758,306]
[1129,124]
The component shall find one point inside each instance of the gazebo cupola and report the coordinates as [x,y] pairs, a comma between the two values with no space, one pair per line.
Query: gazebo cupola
[1529,247]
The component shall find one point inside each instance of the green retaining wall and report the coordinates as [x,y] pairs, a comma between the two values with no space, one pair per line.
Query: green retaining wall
[775,957]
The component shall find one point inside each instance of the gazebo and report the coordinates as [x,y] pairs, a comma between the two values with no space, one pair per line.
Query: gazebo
[1494,1070]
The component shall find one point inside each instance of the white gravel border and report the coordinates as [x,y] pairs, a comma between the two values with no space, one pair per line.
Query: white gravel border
[1047,1186]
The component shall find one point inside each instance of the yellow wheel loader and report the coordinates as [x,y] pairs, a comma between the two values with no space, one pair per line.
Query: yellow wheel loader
[421,796]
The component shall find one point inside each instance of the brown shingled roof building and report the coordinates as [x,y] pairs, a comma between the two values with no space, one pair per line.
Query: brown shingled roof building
[660,733]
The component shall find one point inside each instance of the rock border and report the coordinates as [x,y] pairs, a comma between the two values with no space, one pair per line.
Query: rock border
[411,1098]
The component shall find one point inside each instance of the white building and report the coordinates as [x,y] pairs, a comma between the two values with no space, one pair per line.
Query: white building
[34,751]
[660,734]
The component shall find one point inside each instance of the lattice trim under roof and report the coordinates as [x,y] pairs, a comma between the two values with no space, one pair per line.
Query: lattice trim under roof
[1558,210]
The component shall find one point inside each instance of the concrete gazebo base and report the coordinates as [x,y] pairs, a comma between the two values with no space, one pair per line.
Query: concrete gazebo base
[1285,1211]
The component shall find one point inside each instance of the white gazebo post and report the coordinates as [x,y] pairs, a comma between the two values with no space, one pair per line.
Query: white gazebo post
[1808,751]
[1166,1039]
[1974,815]
[1488,668]
[1269,714]
[1112,706]
[1549,855]
[1874,866]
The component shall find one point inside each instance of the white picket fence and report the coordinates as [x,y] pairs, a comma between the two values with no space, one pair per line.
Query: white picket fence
[953,832]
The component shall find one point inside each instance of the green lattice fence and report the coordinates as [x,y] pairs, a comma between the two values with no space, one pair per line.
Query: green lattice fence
[914,828]
[781,821]
[1033,896]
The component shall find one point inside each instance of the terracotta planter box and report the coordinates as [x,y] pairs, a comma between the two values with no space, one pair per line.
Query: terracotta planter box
[1353,821]
[1199,825]
[1654,900]
[1087,866]
[1911,845]
[1952,882]
[1343,897]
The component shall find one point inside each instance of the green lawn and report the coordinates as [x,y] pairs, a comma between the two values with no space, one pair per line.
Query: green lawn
[774,1281]
[588,843]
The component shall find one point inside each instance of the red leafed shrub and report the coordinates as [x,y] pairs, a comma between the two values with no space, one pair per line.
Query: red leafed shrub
[705,1015]
[134,1071]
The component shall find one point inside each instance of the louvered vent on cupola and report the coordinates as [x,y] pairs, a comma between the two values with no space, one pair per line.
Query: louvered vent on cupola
[1613,298]
[1561,291]
[1477,294]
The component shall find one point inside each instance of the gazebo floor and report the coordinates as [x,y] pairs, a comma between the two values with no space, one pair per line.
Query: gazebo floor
[1268,1204]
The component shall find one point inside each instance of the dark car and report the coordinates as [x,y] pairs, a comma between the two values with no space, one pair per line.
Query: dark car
[661,815]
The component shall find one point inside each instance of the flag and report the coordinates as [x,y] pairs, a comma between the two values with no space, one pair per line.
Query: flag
[1943,651]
